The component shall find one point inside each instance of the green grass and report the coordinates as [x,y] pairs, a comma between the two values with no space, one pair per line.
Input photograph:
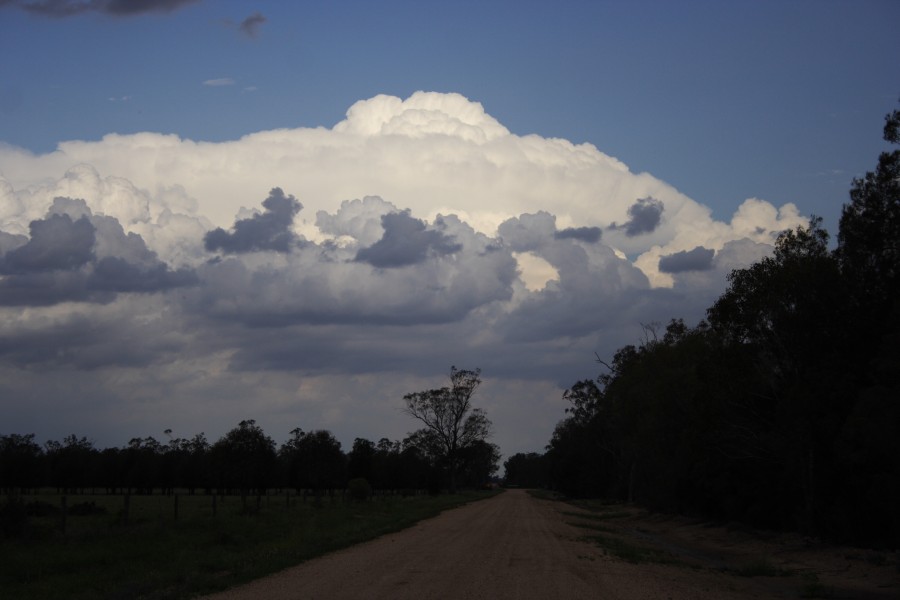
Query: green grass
[153,556]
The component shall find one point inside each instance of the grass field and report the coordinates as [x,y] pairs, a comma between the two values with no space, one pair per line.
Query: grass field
[151,554]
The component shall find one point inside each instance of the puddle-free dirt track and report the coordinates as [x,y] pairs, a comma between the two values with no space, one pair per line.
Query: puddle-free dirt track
[517,546]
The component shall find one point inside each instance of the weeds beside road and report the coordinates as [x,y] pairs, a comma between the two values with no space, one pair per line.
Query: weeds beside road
[766,563]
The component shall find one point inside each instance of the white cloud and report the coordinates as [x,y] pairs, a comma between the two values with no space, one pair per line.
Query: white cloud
[507,260]
[219,82]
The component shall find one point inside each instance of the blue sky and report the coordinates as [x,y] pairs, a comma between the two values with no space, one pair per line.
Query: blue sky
[680,131]
[725,100]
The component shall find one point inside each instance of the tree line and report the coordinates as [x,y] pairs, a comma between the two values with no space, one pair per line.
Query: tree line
[781,409]
[443,455]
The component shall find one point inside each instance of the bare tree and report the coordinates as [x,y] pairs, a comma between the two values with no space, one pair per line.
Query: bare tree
[448,414]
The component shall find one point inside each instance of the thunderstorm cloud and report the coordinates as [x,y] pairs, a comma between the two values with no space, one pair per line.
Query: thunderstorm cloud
[141,280]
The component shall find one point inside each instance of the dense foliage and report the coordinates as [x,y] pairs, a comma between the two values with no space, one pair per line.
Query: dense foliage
[244,461]
[452,450]
[782,409]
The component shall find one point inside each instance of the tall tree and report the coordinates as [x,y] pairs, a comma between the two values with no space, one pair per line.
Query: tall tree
[20,459]
[448,414]
[361,460]
[70,463]
[314,460]
[790,309]
[869,236]
[245,458]
[526,470]
[869,254]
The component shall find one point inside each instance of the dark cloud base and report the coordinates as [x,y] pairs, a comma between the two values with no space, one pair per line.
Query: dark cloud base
[698,259]
[645,216]
[267,231]
[59,262]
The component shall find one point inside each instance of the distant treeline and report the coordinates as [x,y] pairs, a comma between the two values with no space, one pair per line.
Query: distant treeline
[781,409]
[245,460]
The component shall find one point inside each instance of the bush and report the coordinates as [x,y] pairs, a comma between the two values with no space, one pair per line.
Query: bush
[359,489]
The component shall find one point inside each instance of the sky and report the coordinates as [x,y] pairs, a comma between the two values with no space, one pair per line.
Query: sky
[299,212]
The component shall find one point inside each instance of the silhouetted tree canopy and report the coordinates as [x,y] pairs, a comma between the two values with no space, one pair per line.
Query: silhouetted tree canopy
[452,425]
[314,460]
[244,458]
[781,410]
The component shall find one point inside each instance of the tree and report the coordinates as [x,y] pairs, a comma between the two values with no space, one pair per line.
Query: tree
[526,470]
[869,255]
[70,463]
[869,235]
[143,461]
[790,311]
[314,460]
[244,458]
[20,458]
[448,414]
[478,463]
[361,460]
[782,410]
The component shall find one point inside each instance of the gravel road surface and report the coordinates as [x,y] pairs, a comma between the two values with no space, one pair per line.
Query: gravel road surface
[510,546]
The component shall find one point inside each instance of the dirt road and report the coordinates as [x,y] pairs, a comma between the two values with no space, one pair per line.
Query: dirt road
[511,546]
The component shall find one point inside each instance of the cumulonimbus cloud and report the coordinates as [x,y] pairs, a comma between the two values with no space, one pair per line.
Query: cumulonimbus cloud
[152,251]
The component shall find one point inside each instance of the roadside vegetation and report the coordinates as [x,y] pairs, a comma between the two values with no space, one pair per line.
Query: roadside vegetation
[155,554]
[779,410]
[171,520]
[757,562]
